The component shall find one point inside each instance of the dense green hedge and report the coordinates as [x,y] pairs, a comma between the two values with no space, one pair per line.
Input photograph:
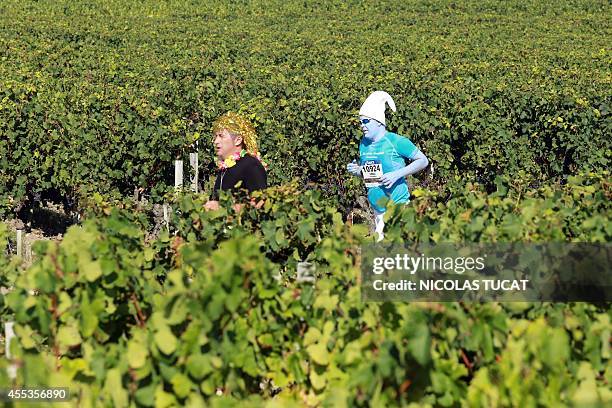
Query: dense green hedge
[511,101]
[212,313]
[577,212]
[104,95]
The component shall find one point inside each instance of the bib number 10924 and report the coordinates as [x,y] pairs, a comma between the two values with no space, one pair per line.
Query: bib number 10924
[372,172]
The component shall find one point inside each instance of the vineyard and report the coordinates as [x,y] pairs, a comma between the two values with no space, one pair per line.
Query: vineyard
[510,102]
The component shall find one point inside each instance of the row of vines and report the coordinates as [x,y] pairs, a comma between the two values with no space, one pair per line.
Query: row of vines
[212,313]
[510,101]
[103,96]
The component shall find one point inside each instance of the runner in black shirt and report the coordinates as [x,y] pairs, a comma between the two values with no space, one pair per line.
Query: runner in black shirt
[237,159]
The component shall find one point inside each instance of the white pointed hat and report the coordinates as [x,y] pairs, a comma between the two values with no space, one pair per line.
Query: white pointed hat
[374,106]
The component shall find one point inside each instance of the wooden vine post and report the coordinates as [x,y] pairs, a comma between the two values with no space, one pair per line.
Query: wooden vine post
[178,174]
[193,162]
[9,334]
[19,243]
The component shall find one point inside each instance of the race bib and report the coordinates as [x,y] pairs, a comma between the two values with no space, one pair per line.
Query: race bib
[372,172]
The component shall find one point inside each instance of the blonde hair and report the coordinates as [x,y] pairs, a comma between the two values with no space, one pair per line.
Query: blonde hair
[240,126]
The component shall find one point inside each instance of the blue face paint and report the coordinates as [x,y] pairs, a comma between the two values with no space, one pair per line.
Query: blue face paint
[372,129]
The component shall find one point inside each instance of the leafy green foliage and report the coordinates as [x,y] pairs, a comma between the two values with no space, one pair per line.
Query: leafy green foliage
[213,313]
[104,97]
[9,269]
[577,211]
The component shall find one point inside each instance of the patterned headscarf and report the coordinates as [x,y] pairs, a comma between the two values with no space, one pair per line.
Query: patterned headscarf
[240,126]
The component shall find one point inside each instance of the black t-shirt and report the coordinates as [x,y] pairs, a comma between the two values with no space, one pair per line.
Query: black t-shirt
[248,170]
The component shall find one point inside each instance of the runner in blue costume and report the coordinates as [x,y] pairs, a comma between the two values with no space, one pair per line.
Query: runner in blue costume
[382,158]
